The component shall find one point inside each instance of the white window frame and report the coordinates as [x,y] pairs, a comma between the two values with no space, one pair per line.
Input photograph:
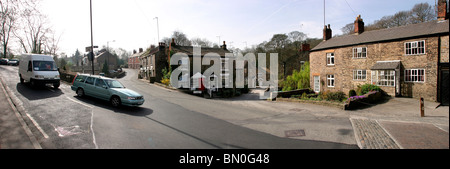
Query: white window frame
[414,75]
[384,78]
[330,59]
[360,53]
[331,81]
[360,75]
[413,48]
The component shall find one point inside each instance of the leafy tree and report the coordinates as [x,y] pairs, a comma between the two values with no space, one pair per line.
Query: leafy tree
[298,80]
[105,68]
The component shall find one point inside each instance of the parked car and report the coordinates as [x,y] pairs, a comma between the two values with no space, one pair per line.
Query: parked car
[106,89]
[4,61]
[13,62]
[39,70]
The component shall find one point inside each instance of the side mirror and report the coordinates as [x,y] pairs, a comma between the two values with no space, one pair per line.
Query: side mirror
[105,87]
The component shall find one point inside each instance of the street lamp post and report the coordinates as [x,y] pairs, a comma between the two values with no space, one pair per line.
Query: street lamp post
[92,42]
[219,41]
[157,24]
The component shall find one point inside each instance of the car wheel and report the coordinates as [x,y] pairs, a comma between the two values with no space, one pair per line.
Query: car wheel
[80,92]
[115,101]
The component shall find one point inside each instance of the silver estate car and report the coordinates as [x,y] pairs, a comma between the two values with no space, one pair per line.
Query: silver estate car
[106,89]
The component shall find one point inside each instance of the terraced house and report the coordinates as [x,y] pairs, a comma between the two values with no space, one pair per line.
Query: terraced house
[407,61]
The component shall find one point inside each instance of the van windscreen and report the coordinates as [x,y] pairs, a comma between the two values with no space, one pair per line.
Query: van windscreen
[44,66]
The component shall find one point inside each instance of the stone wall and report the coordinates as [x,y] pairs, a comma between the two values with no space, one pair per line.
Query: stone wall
[386,51]
[444,49]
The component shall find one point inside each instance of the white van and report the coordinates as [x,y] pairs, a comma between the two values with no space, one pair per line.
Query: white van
[39,70]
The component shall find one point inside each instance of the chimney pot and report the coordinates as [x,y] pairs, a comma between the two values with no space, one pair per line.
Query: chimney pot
[327,32]
[224,46]
[442,10]
[141,50]
[359,25]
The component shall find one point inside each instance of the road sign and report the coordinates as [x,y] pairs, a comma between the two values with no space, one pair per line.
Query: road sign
[89,49]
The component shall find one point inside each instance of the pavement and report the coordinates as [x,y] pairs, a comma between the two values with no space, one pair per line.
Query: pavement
[395,124]
[14,132]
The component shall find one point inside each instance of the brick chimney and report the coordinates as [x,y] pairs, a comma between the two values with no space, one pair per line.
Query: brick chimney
[306,47]
[327,33]
[173,42]
[224,46]
[162,46]
[359,25]
[442,10]
[134,52]
[141,50]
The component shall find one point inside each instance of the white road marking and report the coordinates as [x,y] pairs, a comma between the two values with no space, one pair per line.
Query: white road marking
[92,120]
[76,101]
[37,126]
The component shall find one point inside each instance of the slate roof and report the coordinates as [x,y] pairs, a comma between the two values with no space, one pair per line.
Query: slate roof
[189,50]
[402,32]
[392,65]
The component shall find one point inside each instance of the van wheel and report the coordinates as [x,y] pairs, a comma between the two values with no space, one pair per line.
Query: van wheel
[56,85]
[32,83]
[21,80]
[115,101]
[80,92]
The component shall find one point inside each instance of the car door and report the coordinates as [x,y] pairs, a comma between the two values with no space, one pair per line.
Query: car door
[101,89]
[89,87]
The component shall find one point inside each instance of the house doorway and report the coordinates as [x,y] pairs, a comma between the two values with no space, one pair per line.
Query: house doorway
[444,87]
[317,84]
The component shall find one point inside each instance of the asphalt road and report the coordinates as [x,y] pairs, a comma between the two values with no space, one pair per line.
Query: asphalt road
[167,120]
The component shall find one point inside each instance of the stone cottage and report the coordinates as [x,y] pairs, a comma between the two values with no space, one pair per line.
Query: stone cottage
[408,61]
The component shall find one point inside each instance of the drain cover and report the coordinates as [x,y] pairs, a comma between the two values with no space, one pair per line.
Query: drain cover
[295,133]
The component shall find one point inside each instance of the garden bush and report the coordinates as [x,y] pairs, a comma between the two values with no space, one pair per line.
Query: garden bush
[351,93]
[335,96]
[364,89]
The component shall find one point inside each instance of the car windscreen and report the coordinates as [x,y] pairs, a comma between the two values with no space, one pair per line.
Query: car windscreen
[44,66]
[114,84]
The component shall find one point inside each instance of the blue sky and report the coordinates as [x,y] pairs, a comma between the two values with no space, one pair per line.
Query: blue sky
[132,25]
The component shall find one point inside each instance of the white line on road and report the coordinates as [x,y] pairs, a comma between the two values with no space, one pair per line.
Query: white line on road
[37,126]
[92,120]
[79,102]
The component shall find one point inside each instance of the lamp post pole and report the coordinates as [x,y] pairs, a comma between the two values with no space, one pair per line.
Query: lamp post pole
[157,24]
[92,42]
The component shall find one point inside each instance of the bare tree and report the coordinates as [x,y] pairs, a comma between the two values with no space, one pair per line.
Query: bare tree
[51,43]
[8,19]
[32,30]
[422,12]
[201,42]
[181,38]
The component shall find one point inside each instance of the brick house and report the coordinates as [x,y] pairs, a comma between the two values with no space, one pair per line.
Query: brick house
[157,58]
[408,61]
[134,61]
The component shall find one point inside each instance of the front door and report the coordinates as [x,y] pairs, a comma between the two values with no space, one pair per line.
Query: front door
[444,87]
[317,84]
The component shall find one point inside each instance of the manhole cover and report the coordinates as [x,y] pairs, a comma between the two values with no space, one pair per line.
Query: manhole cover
[294,133]
[296,109]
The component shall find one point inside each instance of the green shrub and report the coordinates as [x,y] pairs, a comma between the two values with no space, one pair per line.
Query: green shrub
[304,96]
[335,96]
[368,88]
[351,93]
